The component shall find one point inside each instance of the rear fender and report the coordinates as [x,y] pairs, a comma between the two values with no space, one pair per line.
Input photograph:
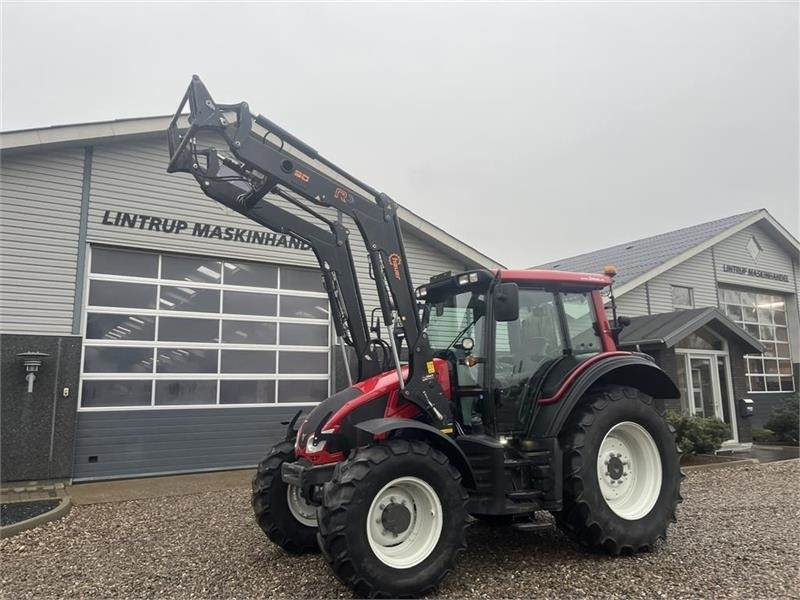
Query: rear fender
[410,429]
[632,370]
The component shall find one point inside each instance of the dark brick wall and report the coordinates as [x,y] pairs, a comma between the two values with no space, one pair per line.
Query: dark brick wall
[665,358]
[736,353]
[30,423]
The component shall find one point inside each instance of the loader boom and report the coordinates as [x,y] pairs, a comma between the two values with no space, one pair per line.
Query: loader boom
[256,166]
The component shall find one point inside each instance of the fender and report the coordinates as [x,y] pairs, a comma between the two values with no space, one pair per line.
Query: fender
[428,433]
[634,370]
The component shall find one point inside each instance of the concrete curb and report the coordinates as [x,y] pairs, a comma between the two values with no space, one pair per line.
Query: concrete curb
[785,460]
[722,465]
[51,515]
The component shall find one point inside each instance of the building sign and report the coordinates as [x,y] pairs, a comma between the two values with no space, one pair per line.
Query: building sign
[755,273]
[201,230]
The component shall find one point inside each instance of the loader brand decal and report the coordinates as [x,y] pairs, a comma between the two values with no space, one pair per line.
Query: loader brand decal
[301,176]
[340,195]
[736,270]
[201,230]
[395,261]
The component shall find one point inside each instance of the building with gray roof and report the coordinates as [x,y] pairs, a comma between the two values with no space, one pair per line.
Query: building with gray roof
[716,304]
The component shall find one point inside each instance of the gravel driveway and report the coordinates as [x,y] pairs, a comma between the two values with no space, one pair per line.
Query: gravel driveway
[737,536]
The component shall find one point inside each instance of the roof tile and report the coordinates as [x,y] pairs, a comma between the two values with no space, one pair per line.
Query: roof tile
[636,258]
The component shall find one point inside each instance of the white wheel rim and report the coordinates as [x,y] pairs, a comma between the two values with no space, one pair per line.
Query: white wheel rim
[304,512]
[409,547]
[629,470]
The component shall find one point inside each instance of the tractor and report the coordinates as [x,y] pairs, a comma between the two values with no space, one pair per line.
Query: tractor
[488,394]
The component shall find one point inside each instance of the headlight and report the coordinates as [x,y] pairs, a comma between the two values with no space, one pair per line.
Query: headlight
[467,343]
[311,447]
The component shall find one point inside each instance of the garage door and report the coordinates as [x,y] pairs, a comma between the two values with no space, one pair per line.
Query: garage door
[190,363]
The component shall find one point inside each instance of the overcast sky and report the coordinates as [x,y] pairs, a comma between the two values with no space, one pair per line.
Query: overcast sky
[530,131]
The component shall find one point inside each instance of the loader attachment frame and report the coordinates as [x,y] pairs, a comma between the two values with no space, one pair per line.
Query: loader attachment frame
[255,167]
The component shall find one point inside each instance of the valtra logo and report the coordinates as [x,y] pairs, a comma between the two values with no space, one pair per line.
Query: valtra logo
[395,261]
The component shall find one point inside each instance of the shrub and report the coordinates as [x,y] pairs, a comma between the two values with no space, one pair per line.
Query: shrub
[784,421]
[763,435]
[698,435]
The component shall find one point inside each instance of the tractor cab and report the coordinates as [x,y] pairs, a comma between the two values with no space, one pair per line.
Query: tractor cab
[512,338]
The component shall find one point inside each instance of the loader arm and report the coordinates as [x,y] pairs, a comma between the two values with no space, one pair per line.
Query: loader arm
[256,165]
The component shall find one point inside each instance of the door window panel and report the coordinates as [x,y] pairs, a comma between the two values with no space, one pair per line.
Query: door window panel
[182,298]
[116,393]
[184,392]
[303,362]
[248,361]
[249,332]
[122,294]
[296,334]
[305,280]
[249,303]
[214,348]
[300,307]
[247,392]
[104,359]
[186,268]
[302,391]
[251,274]
[186,360]
[177,329]
[124,262]
[120,327]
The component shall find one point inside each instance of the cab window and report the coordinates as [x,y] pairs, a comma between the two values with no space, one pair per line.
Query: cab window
[523,348]
[581,323]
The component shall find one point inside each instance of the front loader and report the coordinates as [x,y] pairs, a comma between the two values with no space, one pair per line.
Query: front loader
[513,399]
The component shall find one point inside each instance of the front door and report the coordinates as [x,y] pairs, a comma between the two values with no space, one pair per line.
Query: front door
[704,382]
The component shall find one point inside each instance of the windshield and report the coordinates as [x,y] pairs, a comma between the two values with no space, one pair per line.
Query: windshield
[455,317]
[450,319]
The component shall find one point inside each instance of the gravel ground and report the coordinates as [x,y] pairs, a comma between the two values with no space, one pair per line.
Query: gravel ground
[736,537]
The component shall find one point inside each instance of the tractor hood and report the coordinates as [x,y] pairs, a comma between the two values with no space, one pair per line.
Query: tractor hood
[336,417]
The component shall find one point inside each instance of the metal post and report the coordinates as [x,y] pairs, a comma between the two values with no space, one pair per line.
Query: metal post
[346,361]
[395,355]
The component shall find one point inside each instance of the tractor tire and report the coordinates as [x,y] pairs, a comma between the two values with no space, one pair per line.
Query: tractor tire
[393,519]
[622,473]
[287,519]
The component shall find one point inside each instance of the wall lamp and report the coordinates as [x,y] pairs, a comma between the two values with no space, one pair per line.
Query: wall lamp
[32,361]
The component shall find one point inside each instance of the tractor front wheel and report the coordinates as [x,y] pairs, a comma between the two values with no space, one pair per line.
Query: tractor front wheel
[280,509]
[393,519]
[621,473]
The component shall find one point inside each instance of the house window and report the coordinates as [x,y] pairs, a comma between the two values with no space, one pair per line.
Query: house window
[764,317]
[682,297]
[183,331]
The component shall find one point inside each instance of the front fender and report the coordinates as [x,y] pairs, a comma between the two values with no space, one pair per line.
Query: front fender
[423,431]
[633,370]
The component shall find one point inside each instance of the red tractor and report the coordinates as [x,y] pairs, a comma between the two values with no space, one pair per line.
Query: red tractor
[494,394]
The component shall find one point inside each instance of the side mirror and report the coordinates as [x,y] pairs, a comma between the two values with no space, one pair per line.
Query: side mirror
[505,302]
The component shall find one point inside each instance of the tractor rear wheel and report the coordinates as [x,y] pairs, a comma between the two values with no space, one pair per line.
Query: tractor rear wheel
[280,509]
[393,518]
[621,473]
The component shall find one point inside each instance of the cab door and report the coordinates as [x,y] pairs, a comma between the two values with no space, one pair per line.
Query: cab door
[556,330]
